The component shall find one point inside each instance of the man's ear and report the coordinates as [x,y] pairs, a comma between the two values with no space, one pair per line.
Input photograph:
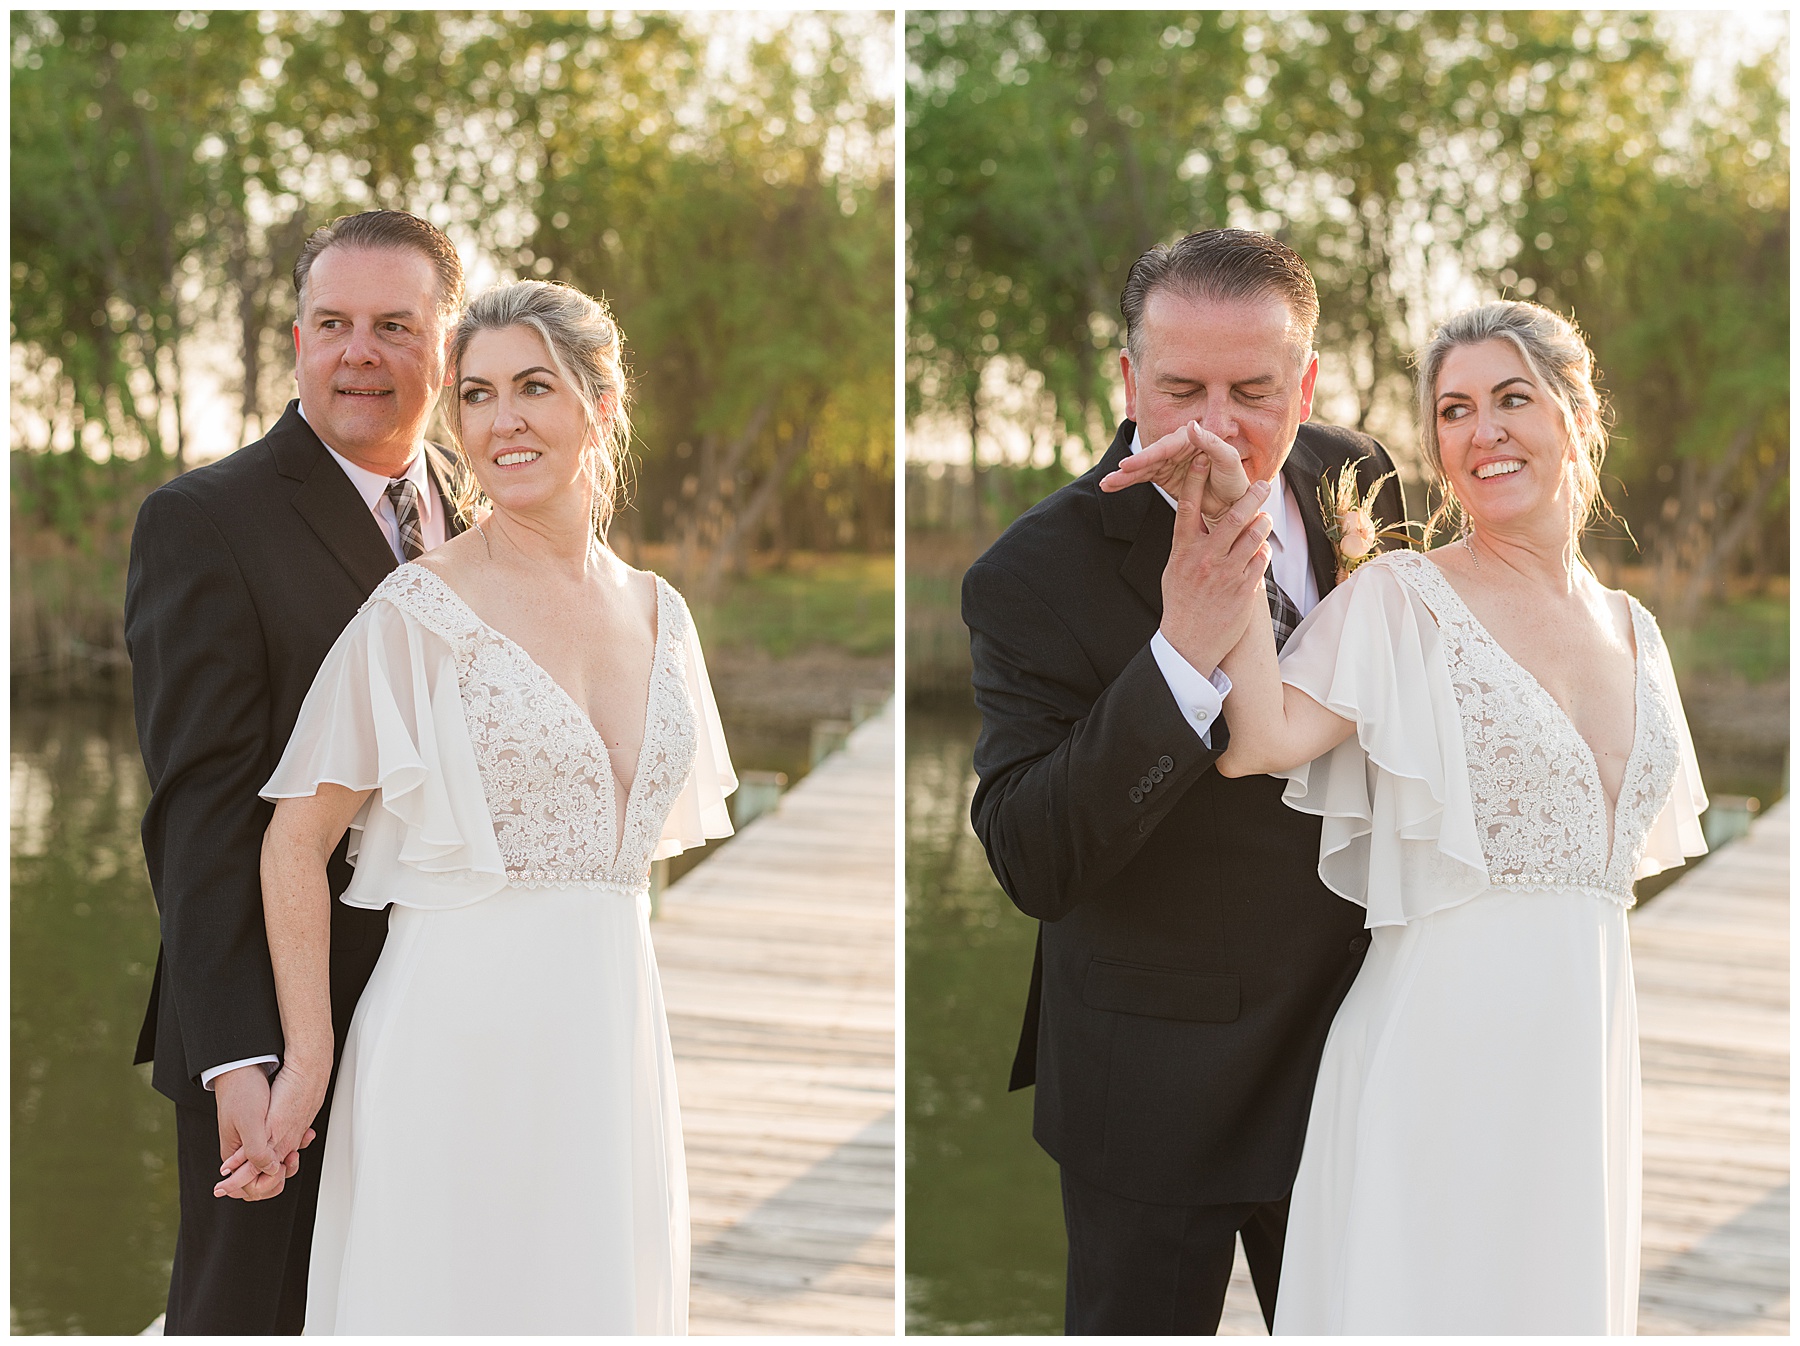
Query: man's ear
[1307,380]
[1131,385]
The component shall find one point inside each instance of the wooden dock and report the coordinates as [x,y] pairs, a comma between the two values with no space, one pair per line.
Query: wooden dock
[1711,956]
[1711,961]
[777,959]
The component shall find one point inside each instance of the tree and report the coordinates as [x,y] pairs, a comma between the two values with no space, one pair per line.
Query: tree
[1417,161]
[1044,154]
[736,210]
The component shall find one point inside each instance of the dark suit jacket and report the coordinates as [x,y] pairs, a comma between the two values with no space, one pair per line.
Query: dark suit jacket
[243,574]
[1189,960]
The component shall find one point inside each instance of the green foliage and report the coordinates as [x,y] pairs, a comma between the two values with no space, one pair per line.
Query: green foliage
[844,600]
[1555,155]
[1746,638]
[1044,153]
[735,209]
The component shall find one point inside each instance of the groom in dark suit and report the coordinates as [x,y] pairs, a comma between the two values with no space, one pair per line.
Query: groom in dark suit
[1189,959]
[243,574]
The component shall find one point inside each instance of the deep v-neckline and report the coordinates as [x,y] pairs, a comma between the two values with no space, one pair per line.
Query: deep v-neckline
[617,816]
[1609,806]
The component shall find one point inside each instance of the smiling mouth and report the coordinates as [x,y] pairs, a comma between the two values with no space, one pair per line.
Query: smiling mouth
[1503,468]
[515,456]
[365,392]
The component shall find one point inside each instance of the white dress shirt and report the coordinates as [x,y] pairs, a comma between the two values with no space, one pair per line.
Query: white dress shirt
[372,486]
[1201,695]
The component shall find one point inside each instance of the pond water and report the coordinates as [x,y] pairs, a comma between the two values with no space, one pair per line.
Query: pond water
[94,1201]
[984,1238]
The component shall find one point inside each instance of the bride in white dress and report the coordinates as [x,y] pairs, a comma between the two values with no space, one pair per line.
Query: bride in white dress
[513,727]
[1496,746]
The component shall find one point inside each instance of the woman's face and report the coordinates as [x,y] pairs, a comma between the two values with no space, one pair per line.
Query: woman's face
[1505,451]
[524,428]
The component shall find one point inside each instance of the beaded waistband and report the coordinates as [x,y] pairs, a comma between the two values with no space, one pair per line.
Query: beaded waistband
[1542,883]
[563,878]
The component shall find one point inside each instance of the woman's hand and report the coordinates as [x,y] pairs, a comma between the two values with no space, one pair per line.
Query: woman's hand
[295,1096]
[1167,462]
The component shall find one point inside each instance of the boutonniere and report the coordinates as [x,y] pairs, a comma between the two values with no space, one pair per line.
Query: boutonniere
[1350,519]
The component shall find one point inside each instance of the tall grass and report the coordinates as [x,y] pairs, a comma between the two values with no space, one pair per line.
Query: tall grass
[71,543]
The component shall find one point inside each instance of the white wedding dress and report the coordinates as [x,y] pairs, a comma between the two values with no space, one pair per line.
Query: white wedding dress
[504,1153]
[1473,1160]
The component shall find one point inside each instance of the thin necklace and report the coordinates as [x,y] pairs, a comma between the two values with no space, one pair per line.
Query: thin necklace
[1469,542]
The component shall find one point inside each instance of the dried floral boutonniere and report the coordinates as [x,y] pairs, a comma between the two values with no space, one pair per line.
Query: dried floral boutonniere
[1350,520]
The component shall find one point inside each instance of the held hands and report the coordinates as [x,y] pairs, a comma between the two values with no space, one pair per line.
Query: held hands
[263,1126]
[1213,572]
[1190,451]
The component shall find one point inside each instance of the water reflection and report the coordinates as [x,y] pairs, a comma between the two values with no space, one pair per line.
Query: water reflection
[93,1147]
[984,1249]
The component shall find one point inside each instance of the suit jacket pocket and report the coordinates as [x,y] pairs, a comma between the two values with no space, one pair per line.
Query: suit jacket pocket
[1161,992]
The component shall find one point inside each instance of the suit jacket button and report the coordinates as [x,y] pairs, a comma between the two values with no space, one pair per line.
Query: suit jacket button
[1137,795]
[1166,762]
[1146,785]
[1156,774]
[1359,943]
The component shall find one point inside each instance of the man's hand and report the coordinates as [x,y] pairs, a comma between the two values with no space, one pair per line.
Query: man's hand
[1171,460]
[1211,574]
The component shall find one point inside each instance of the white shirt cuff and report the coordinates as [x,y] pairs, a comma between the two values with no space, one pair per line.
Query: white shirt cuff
[1199,695]
[268,1063]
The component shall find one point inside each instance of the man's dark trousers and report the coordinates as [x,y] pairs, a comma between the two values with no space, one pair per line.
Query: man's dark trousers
[1141,1270]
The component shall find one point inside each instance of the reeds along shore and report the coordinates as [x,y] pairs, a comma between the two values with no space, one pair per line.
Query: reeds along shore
[808,616]
[71,545]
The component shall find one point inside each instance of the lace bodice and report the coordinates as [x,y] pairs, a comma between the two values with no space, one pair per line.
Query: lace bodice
[545,769]
[1540,810]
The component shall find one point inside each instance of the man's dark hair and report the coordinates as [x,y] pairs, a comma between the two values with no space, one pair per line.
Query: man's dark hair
[1221,264]
[386,229]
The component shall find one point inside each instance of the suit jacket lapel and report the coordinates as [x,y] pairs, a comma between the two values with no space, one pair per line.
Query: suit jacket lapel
[1301,473]
[1138,516]
[328,502]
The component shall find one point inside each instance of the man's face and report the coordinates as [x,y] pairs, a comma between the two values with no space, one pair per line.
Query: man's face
[369,352]
[1230,364]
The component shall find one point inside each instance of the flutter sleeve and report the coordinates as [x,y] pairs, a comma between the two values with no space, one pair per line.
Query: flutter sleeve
[1676,835]
[700,812]
[385,714]
[1398,834]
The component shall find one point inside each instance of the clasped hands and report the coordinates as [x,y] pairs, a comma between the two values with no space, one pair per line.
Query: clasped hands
[263,1126]
[1219,552]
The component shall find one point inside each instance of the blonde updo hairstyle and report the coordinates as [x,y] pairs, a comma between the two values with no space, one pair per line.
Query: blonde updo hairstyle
[585,347]
[1557,355]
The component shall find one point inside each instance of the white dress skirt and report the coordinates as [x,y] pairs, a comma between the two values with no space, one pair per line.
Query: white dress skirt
[1472,1163]
[504,1151]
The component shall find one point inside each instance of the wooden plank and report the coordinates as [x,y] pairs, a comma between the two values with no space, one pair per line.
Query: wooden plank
[777,964]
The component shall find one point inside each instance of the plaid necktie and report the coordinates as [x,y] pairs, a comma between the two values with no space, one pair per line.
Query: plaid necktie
[1283,615]
[405,498]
